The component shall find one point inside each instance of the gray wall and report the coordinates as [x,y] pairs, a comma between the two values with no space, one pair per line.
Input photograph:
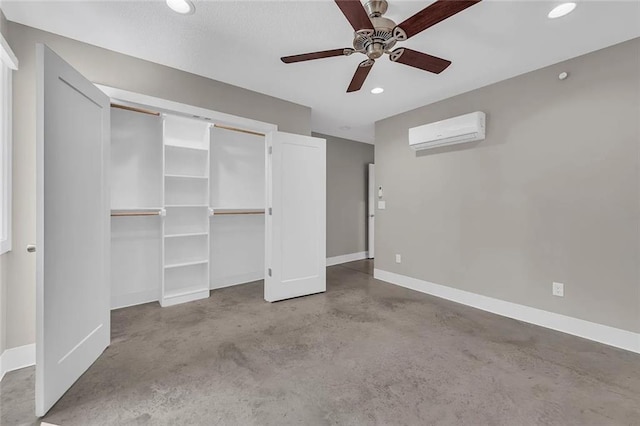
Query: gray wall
[113,69]
[552,194]
[347,162]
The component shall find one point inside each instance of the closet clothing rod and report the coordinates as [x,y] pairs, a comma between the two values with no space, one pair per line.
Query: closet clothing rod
[217,214]
[119,214]
[235,129]
[134,109]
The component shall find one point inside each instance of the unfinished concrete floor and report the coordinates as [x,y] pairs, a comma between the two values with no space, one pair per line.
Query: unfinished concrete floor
[365,352]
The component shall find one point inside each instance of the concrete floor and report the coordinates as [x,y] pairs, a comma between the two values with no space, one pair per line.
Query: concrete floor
[364,352]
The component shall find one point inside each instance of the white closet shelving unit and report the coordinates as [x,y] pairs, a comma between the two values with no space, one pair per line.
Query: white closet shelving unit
[192,197]
[237,210]
[186,198]
[136,207]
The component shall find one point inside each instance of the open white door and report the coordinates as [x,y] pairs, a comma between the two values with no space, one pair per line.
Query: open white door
[371,219]
[72,218]
[296,217]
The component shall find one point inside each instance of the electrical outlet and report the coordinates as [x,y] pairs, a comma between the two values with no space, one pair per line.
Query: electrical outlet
[398,258]
[558,289]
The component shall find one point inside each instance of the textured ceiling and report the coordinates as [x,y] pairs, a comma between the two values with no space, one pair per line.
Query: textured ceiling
[240,42]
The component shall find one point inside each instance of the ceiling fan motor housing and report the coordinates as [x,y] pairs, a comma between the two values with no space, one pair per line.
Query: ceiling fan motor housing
[375,44]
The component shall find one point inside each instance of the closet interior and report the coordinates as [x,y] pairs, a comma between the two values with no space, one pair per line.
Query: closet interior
[188,207]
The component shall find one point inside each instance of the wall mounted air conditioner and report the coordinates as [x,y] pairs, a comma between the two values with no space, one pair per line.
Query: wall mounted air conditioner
[462,129]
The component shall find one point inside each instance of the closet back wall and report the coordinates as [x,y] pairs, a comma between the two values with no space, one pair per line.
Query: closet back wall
[112,69]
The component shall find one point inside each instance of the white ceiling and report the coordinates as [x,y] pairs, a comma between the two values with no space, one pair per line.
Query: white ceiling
[240,42]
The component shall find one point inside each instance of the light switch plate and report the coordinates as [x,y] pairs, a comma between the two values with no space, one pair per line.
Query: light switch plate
[382,205]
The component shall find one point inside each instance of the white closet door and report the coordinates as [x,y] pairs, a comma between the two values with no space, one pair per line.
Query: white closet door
[72,258]
[296,227]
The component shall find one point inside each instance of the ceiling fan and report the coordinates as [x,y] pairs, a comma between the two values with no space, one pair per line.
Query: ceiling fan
[375,35]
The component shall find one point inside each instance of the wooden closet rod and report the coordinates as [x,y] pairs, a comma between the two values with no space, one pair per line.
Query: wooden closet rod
[135,109]
[235,129]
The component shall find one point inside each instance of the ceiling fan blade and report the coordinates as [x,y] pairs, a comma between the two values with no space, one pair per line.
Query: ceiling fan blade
[316,55]
[360,75]
[419,60]
[355,14]
[429,16]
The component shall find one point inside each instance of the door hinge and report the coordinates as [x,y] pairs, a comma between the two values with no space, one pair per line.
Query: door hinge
[269,271]
[270,211]
[270,150]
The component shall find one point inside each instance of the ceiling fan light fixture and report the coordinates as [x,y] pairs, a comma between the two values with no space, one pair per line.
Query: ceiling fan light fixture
[377,90]
[183,7]
[561,10]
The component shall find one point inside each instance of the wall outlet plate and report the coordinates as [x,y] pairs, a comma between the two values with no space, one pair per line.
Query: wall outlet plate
[398,258]
[382,205]
[557,289]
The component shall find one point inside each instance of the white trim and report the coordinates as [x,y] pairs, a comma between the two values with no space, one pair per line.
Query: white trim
[164,105]
[6,143]
[187,296]
[588,330]
[236,280]
[17,358]
[6,54]
[133,299]
[351,257]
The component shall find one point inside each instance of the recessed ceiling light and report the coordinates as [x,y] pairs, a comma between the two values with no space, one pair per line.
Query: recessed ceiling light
[377,90]
[184,7]
[561,10]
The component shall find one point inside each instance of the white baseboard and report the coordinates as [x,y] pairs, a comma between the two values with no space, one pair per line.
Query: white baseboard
[351,257]
[17,358]
[589,330]
[223,282]
[189,296]
[132,299]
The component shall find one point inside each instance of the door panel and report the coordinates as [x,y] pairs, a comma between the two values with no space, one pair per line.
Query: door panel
[72,202]
[296,227]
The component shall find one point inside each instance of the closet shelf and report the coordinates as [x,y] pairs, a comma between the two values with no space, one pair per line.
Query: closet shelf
[193,148]
[190,234]
[183,264]
[218,211]
[185,176]
[185,205]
